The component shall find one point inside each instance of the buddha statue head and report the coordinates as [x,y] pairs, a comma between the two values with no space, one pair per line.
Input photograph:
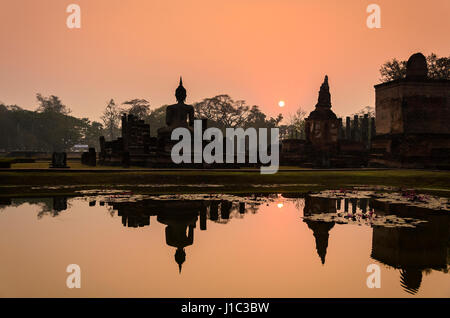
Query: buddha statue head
[180,257]
[180,92]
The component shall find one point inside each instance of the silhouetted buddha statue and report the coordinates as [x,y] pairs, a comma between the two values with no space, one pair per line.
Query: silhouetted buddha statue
[177,115]
[180,228]
[176,237]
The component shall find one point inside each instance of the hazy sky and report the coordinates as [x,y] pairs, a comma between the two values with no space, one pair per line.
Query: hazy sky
[261,51]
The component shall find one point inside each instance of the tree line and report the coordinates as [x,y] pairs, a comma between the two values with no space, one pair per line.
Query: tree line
[51,127]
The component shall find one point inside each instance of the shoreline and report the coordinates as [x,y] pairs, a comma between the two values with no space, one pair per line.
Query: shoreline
[32,182]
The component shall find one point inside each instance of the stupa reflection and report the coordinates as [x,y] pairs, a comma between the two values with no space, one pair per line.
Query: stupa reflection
[412,250]
[321,229]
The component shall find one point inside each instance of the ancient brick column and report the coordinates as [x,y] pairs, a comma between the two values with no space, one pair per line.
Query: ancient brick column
[365,130]
[348,128]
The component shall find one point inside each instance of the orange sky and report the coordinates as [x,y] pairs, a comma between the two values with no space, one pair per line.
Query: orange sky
[262,51]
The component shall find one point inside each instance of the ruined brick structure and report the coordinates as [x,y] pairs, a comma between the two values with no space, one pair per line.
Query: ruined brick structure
[412,120]
[326,144]
[135,145]
[322,125]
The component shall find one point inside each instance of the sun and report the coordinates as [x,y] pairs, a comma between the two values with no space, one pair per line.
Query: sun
[281,103]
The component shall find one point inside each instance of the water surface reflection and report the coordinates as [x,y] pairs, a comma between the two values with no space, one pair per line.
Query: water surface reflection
[410,249]
[261,245]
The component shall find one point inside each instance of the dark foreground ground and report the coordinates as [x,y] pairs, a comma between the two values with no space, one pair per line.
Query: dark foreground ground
[31,182]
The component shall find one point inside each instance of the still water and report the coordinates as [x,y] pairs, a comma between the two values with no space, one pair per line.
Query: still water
[221,246]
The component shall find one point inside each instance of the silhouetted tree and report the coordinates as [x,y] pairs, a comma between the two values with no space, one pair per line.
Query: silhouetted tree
[51,104]
[111,119]
[44,130]
[138,107]
[224,112]
[51,128]
[438,68]
[284,131]
[91,132]
[55,126]
[257,119]
[157,119]
[296,122]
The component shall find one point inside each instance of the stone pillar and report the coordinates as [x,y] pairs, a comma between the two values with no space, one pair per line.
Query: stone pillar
[355,128]
[354,205]
[59,160]
[225,209]
[363,203]
[92,157]
[365,130]
[214,211]
[241,207]
[340,130]
[203,218]
[372,127]
[348,128]
[102,144]
[125,132]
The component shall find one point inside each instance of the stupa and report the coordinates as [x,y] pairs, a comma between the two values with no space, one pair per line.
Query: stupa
[322,125]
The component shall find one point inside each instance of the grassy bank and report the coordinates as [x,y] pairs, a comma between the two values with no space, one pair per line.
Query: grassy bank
[19,182]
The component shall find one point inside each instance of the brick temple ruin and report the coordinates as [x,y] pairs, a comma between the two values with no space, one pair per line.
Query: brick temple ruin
[134,146]
[410,130]
[412,120]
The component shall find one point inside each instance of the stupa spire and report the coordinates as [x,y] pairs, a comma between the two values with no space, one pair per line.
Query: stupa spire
[324,94]
[321,235]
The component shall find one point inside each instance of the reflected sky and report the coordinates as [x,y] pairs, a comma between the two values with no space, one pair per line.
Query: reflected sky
[219,246]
